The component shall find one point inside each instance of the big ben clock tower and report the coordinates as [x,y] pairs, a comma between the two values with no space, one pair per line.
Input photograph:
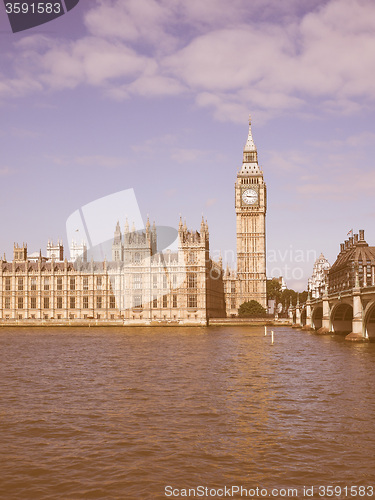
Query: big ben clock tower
[251,205]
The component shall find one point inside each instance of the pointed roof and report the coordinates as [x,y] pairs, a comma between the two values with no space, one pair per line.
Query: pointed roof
[250,146]
[203,225]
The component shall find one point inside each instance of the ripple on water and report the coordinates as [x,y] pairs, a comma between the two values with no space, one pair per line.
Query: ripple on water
[121,413]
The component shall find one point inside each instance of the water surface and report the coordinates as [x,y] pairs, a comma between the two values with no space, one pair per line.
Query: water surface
[121,413]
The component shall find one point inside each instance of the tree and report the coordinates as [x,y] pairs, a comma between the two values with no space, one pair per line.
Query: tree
[251,309]
[273,289]
[288,294]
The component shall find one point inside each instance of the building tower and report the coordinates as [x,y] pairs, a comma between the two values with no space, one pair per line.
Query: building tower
[251,205]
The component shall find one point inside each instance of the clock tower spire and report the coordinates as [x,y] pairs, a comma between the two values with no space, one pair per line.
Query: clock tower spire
[251,205]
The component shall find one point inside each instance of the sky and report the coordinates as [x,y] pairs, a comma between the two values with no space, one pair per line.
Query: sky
[155,96]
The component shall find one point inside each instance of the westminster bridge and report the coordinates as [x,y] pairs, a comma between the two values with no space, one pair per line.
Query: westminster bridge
[350,312]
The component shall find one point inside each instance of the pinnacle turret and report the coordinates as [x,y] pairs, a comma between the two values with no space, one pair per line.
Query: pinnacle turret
[250,155]
[250,146]
[203,226]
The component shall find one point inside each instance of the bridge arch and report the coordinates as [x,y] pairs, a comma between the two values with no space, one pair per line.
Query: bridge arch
[317,317]
[303,317]
[294,317]
[369,320]
[342,318]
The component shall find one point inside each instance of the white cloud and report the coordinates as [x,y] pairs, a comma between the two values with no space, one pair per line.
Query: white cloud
[148,146]
[210,202]
[133,20]
[322,171]
[5,171]
[23,133]
[92,61]
[269,58]
[181,155]
[348,187]
[102,161]
[155,85]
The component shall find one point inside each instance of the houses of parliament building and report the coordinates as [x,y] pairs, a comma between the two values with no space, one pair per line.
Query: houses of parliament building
[141,285]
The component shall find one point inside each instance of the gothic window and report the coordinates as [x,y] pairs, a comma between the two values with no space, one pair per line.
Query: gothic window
[72,283]
[192,280]
[137,281]
[192,301]
[112,302]
[33,284]
[7,303]
[46,284]
[99,302]
[72,302]
[59,303]
[7,284]
[165,282]
[85,283]
[155,302]
[46,302]
[137,300]
[85,303]
[59,283]
[137,257]
[174,300]
[155,281]
[165,301]
[192,257]
[20,284]
[99,282]
[20,303]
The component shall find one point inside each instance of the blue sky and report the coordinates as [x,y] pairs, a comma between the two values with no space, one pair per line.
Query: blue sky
[155,96]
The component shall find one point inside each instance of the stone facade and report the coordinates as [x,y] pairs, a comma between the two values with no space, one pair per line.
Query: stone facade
[317,283]
[251,206]
[356,258]
[140,285]
[231,290]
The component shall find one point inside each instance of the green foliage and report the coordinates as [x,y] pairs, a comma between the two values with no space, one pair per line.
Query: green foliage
[287,294]
[273,289]
[251,309]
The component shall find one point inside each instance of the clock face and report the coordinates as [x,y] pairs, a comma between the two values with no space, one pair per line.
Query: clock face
[249,196]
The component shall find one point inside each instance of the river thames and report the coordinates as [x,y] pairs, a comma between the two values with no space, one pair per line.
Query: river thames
[137,413]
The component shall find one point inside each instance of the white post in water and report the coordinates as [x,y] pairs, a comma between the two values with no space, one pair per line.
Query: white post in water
[271,336]
[265,330]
